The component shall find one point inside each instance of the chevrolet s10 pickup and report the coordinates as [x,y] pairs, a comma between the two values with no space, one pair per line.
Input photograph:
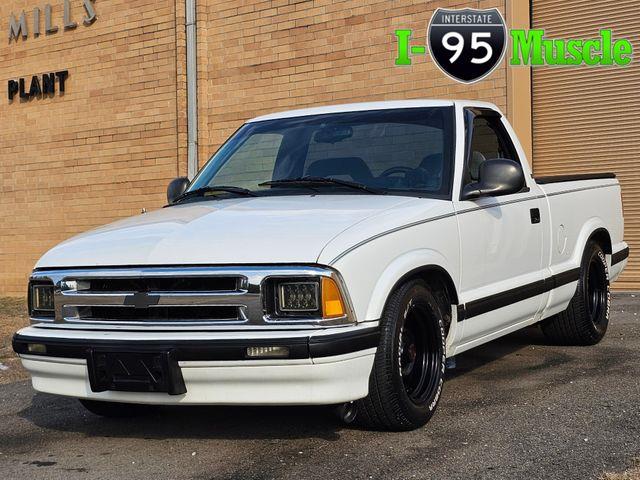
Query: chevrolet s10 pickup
[330,256]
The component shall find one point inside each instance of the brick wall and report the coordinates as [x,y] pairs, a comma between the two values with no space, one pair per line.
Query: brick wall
[104,150]
[109,146]
[266,55]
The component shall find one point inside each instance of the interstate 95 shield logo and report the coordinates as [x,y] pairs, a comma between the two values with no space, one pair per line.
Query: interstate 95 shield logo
[468,44]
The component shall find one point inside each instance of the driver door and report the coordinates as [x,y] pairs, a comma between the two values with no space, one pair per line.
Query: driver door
[501,239]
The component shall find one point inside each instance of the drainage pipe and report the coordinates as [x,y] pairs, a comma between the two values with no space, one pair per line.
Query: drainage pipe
[192,89]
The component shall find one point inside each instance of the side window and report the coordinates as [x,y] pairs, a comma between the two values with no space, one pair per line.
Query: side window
[489,140]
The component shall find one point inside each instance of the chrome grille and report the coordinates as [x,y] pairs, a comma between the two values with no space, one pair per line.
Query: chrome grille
[175,299]
[169,297]
[156,313]
[162,284]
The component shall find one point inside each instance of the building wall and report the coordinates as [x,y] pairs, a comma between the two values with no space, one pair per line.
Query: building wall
[110,145]
[103,150]
[266,55]
[587,119]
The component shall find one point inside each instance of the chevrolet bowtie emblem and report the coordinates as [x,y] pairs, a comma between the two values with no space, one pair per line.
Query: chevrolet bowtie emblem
[141,300]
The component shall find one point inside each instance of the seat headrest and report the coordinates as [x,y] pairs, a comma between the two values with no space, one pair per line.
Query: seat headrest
[474,164]
[432,163]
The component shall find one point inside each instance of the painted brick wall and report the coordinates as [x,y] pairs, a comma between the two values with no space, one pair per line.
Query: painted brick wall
[266,55]
[104,150]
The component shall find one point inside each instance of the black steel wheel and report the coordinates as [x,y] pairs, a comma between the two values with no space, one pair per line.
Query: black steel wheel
[408,372]
[419,353]
[597,292]
[586,319]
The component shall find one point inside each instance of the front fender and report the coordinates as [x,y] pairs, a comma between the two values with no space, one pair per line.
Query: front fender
[370,280]
[401,267]
[372,268]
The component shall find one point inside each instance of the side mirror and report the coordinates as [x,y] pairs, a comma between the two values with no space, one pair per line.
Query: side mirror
[498,176]
[176,187]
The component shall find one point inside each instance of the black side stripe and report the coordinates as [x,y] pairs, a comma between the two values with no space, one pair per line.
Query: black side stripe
[514,295]
[619,256]
[341,343]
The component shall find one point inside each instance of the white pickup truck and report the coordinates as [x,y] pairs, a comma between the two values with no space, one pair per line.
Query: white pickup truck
[334,255]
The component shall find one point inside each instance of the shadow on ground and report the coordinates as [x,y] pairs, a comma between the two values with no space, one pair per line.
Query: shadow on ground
[227,422]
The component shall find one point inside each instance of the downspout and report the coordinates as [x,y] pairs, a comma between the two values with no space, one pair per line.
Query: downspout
[192,89]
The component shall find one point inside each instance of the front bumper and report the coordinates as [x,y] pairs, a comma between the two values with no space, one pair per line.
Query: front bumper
[324,366]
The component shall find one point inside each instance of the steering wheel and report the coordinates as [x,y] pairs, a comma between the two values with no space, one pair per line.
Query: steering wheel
[393,170]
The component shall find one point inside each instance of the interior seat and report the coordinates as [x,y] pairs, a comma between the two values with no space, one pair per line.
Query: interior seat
[340,167]
[431,165]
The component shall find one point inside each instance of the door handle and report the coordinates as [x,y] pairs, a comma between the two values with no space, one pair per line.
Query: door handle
[535,215]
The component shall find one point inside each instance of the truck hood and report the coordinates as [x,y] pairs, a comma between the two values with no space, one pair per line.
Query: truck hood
[289,229]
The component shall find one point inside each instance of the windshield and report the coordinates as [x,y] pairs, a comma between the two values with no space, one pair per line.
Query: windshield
[400,151]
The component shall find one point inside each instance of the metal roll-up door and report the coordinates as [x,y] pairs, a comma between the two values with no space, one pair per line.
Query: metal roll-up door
[587,119]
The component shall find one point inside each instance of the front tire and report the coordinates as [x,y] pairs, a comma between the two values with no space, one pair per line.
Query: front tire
[586,319]
[117,409]
[408,372]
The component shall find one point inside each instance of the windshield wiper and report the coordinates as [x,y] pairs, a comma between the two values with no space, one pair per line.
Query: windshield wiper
[319,181]
[216,188]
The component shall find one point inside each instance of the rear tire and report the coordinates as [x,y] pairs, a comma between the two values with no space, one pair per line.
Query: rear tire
[408,371]
[118,410]
[585,320]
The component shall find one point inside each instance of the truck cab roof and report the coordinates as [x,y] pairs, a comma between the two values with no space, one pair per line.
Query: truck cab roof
[367,106]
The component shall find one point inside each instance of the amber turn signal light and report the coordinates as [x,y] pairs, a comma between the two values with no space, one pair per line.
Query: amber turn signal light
[332,303]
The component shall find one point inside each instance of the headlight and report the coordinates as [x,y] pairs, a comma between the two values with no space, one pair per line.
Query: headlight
[312,297]
[298,297]
[41,300]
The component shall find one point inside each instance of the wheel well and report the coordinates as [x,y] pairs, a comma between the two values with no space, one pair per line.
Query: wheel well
[439,280]
[602,238]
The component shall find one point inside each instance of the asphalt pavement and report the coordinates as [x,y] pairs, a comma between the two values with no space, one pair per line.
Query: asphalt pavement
[516,408]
